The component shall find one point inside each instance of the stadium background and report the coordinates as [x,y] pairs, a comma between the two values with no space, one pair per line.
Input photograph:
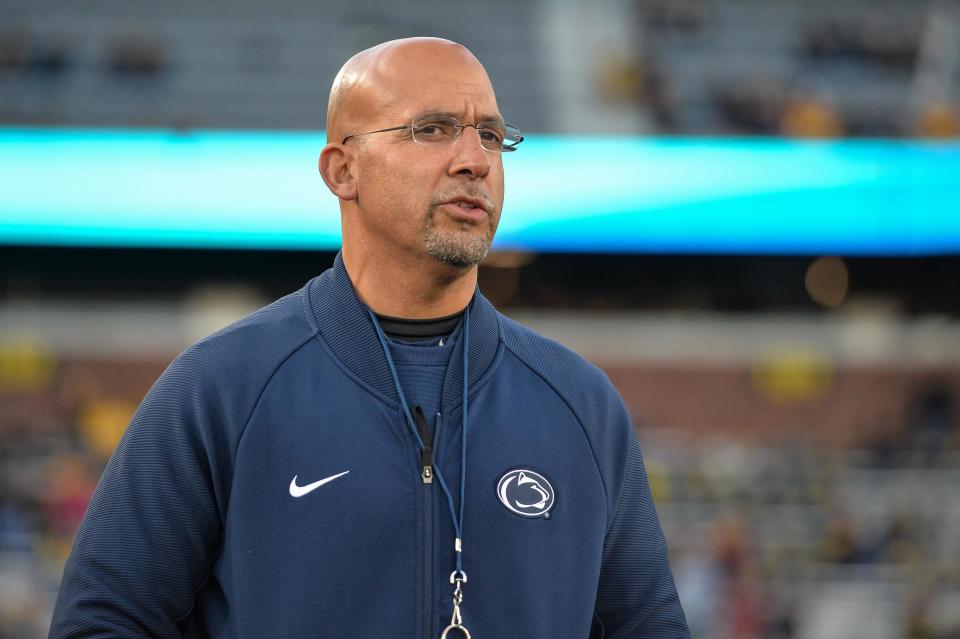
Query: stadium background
[798,411]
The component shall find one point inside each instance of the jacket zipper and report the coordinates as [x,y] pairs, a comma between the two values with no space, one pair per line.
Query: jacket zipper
[426,476]
[426,453]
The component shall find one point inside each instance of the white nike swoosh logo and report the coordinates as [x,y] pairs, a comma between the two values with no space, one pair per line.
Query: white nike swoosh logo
[300,491]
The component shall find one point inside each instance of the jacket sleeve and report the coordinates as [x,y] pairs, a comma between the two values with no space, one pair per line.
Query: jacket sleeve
[154,523]
[636,596]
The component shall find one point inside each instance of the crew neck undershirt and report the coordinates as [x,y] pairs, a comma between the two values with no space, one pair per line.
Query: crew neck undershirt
[419,330]
[421,351]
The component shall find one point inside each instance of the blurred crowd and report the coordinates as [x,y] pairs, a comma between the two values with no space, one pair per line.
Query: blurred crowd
[125,55]
[696,67]
[799,541]
[59,422]
[768,541]
[836,72]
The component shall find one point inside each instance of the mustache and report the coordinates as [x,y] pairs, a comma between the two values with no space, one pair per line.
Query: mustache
[464,191]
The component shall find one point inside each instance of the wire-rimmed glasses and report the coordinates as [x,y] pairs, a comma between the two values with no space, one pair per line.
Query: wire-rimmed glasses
[441,130]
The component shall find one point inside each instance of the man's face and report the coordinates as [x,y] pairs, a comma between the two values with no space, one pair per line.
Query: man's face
[438,201]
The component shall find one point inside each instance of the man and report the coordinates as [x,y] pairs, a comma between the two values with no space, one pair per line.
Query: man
[381,454]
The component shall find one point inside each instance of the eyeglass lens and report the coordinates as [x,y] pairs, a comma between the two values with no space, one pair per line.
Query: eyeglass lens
[440,130]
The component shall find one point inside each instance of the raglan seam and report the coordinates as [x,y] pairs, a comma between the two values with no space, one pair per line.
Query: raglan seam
[178,620]
[256,403]
[391,403]
[307,307]
[576,415]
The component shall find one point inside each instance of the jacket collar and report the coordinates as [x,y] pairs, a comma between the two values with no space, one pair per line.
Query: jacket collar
[346,327]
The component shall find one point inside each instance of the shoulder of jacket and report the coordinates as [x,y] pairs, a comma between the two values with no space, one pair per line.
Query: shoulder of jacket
[590,396]
[568,373]
[251,348]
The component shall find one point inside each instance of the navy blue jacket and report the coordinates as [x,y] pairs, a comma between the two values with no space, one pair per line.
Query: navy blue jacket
[194,529]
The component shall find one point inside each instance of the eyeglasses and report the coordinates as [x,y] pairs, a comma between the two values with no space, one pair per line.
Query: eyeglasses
[441,130]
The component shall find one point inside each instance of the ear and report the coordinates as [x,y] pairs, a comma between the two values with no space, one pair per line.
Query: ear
[336,169]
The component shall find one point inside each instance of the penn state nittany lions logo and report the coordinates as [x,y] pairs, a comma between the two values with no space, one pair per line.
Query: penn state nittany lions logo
[525,493]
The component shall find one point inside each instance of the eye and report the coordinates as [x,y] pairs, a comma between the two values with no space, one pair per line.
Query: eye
[490,135]
[433,130]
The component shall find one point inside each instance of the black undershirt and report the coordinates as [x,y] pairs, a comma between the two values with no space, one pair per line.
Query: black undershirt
[416,330]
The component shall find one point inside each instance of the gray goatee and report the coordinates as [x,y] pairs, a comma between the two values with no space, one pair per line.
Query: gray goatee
[459,248]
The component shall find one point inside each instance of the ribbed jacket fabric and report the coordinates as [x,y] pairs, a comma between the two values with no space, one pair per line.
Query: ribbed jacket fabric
[194,529]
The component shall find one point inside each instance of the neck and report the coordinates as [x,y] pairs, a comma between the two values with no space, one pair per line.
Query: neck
[415,288]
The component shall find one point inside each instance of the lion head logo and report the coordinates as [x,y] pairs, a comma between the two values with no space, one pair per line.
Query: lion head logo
[525,492]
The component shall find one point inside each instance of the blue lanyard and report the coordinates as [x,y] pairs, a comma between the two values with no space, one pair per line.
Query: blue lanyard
[454,517]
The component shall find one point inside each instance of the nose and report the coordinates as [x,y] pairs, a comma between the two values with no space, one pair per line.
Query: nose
[469,156]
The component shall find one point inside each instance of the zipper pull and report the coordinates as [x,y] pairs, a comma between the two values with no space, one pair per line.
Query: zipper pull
[426,453]
[427,465]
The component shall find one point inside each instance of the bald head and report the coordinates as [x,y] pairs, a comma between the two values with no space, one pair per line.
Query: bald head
[373,81]
[417,215]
